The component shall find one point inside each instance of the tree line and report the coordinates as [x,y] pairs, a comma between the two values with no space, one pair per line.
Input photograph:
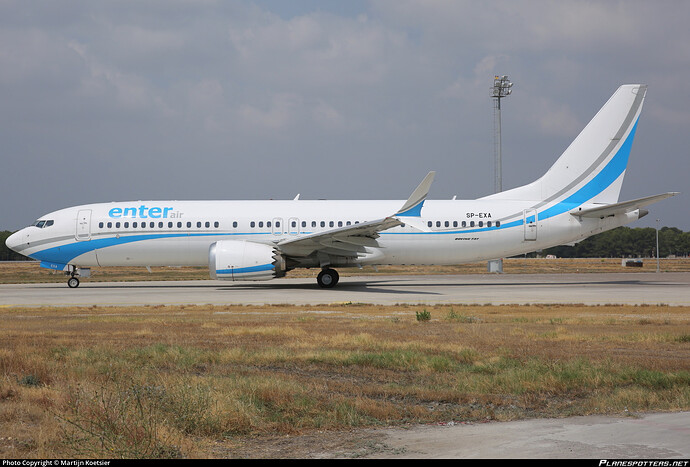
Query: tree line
[626,242]
[623,242]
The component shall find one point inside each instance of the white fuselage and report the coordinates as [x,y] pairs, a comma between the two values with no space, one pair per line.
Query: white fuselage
[177,233]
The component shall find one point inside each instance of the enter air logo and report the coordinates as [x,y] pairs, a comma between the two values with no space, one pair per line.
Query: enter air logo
[144,212]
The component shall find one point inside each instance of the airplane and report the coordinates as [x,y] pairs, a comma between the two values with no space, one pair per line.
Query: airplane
[264,239]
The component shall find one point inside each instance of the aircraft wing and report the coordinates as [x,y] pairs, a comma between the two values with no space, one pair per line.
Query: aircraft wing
[353,240]
[621,208]
[344,241]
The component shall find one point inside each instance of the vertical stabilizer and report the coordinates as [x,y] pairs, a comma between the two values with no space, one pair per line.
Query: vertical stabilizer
[591,169]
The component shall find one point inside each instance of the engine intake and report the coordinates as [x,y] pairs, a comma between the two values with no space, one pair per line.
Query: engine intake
[244,261]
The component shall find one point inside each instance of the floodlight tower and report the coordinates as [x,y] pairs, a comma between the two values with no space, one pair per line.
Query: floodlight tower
[501,88]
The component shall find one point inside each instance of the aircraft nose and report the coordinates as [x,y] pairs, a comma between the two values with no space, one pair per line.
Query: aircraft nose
[14,240]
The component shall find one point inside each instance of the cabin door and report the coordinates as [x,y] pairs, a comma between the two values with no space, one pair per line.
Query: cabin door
[83,232]
[530,222]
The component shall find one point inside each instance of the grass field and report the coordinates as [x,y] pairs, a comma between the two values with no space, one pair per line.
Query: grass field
[30,272]
[245,381]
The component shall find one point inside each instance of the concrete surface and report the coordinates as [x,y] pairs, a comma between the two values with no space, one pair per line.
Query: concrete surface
[649,436]
[591,289]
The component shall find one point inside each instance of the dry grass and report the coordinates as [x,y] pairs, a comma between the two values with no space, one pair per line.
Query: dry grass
[204,381]
[30,272]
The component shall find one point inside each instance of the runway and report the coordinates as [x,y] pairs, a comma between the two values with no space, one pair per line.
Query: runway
[589,289]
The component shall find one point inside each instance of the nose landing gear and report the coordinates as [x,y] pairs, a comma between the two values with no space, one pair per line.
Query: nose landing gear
[75,273]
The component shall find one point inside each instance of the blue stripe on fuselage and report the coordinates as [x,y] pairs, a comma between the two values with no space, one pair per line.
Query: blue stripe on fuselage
[66,253]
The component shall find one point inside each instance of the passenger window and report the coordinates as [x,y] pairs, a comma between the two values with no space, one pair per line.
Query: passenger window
[464,223]
[313,223]
[498,223]
[170,224]
[330,223]
[135,225]
[198,225]
[252,224]
[438,223]
[323,224]
[481,223]
[488,223]
[207,224]
[216,224]
[471,223]
[455,223]
[304,223]
[447,224]
[268,224]
[340,223]
[160,225]
[189,225]
[100,225]
[110,225]
[234,224]
[179,225]
[261,223]
[430,224]
[126,225]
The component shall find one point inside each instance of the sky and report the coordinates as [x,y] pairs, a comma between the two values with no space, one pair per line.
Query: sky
[202,99]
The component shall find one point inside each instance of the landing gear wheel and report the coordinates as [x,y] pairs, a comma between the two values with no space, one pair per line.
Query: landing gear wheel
[327,278]
[73,282]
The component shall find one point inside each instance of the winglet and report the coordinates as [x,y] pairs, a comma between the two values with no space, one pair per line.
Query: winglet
[413,206]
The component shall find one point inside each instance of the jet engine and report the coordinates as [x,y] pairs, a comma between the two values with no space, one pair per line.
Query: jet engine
[244,261]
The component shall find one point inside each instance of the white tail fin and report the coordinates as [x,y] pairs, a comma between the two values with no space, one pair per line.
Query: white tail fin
[591,170]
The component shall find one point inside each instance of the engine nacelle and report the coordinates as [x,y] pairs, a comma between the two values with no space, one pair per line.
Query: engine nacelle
[244,261]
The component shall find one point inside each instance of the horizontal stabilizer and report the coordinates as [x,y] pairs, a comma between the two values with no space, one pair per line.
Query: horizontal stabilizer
[621,208]
[413,206]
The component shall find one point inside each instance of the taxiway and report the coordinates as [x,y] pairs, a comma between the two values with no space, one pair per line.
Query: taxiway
[589,288]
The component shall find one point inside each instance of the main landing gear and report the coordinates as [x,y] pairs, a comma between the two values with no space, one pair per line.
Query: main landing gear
[73,282]
[327,278]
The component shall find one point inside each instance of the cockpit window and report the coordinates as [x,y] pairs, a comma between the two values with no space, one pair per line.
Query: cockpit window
[41,224]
